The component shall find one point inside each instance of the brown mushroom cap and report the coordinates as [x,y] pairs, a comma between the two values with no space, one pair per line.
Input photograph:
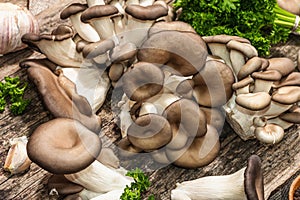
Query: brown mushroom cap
[287,95]
[292,79]
[223,39]
[252,65]
[282,64]
[98,11]
[95,49]
[63,146]
[253,182]
[200,152]
[126,149]
[242,83]
[123,52]
[142,80]
[269,75]
[179,116]
[62,185]
[56,98]
[72,9]
[269,134]
[172,25]
[151,12]
[173,49]
[292,115]
[254,101]
[116,71]
[149,132]
[247,49]
[212,85]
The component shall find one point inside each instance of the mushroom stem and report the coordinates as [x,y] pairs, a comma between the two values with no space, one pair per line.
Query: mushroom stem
[86,31]
[229,187]
[247,183]
[95,2]
[99,178]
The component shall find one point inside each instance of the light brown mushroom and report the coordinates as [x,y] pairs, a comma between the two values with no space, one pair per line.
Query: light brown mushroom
[254,101]
[282,64]
[171,50]
[264,80]
[269,134]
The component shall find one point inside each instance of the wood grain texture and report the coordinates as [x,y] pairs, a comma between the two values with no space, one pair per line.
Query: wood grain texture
[279,162]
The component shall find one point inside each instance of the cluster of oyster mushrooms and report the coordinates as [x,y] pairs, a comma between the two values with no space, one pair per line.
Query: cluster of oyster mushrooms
[266,90]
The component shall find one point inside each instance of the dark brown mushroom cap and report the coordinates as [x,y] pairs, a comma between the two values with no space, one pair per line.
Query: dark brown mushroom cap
[282,64]
[287,95]
[55,98]
[200,152]
[126,149]
[253,179]
[179,115]
[37,62]
[142,80]
[292,79]
[95,49]
[62,185]
[149,132]
[116,71]
[151,12]
[182,53]
[254,101]
[63,146]
[72,9]
[212,85]
[269,75]
[172,25]
[98,11]
[252,65]
[123,52]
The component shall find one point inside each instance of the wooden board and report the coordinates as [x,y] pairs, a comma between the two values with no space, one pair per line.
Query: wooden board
[279,162]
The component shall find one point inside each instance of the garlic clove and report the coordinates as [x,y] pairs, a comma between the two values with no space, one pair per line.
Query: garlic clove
[17,160]
[15,22]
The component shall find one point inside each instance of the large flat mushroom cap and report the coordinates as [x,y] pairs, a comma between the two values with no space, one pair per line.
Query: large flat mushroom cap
[63,146]
[254,186]
[287,95]
[282,64]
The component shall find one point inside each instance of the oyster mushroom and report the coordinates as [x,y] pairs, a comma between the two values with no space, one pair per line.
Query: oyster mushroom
[293,79]
[142,80]
[247,183]
[252,65]
[141,18]
[56,98]
[198,151]
[175,57]
[86,31]
[282,64]
[264,80]
[59,185]
[99,17]
[254,101]
[149,132]
[212,85]
[58,46]
[269,134]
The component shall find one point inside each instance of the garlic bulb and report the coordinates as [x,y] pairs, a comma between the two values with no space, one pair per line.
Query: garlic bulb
[15,22]
[17,160]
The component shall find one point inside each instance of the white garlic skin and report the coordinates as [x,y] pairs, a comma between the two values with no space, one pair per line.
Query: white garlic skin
[17,160]
[15,22]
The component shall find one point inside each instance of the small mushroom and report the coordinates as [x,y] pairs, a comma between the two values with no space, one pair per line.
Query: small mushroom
[149,132]
[140,19]
[212,85]
[99,51]
[247,183]
[143,80]
[282,64]
[99,17]
[247,49]
[243,86]
[269,134]
[264,80]
[198,152]
[252,65]
[59,185]
[86,31]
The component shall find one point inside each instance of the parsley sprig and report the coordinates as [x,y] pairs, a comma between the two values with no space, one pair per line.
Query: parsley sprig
[12,92]
[141,184]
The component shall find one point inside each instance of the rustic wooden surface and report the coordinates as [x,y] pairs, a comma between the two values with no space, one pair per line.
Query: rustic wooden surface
[279,162]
